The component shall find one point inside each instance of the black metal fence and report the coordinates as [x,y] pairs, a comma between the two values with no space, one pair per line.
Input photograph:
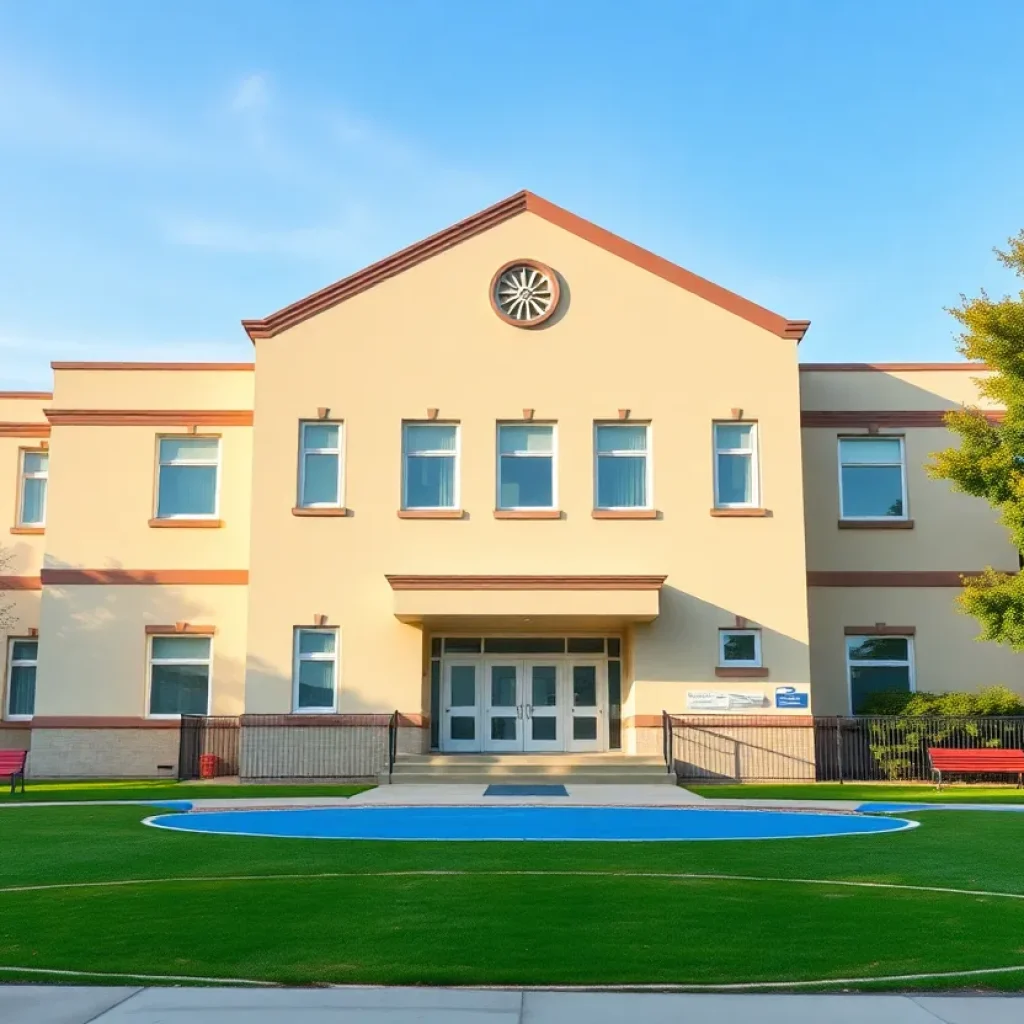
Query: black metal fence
[288,746]
[824,749]
[214,740]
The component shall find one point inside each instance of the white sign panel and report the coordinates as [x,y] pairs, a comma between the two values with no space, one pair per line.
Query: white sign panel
[721,700]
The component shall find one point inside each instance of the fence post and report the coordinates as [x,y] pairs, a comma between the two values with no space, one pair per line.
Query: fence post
[666,742]
[839,747]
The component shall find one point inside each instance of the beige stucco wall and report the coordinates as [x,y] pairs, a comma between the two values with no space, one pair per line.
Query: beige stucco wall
[93,658]
[890,389]
[428,338]
[946,655]
[952,531]
[103,494]
[152,389]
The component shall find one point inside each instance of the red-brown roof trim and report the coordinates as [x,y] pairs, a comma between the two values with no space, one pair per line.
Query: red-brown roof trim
[43,395]
[522,202]
[891,367]
[151,366]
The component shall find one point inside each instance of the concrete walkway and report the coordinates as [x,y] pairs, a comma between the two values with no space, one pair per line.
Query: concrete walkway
[59,1005]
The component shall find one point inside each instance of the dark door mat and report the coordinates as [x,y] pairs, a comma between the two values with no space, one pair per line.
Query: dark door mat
[535,790]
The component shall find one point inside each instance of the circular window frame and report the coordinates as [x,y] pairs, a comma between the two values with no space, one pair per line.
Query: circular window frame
[556,293]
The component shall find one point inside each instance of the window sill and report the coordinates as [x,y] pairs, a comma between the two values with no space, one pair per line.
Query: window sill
[740,513]
[325,512]
[624,513]
[431,513]
[741,673]
[28,531]
[527,513]
[186,524]
[16,721]
[876,524]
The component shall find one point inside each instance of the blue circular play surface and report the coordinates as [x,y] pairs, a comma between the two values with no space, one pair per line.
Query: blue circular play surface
[593,824]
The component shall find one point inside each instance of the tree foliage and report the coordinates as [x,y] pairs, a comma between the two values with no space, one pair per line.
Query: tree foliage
[989,462]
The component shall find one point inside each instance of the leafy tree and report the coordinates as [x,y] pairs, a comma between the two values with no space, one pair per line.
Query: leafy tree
[989,463]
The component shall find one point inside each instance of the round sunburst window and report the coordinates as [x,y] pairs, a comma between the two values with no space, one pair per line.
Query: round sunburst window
[524,293]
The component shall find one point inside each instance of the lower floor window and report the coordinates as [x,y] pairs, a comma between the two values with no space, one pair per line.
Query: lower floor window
[179,675]
[316,669]
[739,648]
[878,664]
[21,678]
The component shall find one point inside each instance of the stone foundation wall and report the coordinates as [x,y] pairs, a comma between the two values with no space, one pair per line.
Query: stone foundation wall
[13,738]
[103,753]
[739,753]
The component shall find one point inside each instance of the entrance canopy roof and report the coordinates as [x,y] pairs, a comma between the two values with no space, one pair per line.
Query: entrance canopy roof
[591,602]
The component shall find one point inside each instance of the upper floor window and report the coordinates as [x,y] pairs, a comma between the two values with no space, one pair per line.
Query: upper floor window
[32,496]
[739,648]
[872,478]
[736,483]
[320,472]
[179,675]
[526,466]
[623,465]
[316,669]
[21,678]
[878,664]
[430,466]
[187,478]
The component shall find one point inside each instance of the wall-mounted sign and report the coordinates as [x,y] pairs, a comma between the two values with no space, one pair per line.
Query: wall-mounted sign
[791,697]
[721,700]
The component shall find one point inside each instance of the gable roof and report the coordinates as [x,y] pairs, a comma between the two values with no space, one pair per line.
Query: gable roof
[522,202]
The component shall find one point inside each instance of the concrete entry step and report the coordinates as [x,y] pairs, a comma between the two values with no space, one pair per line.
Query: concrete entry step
[533,759]
[556,770]
[579,778]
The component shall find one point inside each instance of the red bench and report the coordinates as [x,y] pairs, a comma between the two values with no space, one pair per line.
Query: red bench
[987,761]
[12,762]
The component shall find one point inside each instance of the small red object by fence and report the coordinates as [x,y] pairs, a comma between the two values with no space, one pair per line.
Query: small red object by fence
[12,763]
[208,766]
[987,761]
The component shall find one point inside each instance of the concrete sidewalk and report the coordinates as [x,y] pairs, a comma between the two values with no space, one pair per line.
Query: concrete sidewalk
[28,1004]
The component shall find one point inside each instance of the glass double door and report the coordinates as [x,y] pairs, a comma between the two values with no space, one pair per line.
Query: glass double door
[508,705]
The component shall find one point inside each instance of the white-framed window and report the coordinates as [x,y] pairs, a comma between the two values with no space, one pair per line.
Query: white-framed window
[320,465]
[22,658]
[187,477]
[622,465]
[736,470]
[430,466]
[35,469]
[878,664]
[315,685]
[739,648]
[872,478]
[527,474]
[179,675]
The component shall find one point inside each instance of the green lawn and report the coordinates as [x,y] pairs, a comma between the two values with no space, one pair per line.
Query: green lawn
[579,919]
[919,794]
[161,789]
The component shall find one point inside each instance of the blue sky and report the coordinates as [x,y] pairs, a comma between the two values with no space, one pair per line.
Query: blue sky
[168,169]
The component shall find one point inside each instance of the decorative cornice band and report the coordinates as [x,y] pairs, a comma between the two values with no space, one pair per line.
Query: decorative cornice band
[885,417]
[24,429]
[526,582]
[150,417]
[145,577]
[889,578]
[20,583]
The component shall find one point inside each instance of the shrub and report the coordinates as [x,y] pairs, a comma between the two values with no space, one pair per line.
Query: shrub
[992,700]
[899,747]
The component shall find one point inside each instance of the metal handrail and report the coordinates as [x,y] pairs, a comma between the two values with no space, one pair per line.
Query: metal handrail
[392,743]
[666,740]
